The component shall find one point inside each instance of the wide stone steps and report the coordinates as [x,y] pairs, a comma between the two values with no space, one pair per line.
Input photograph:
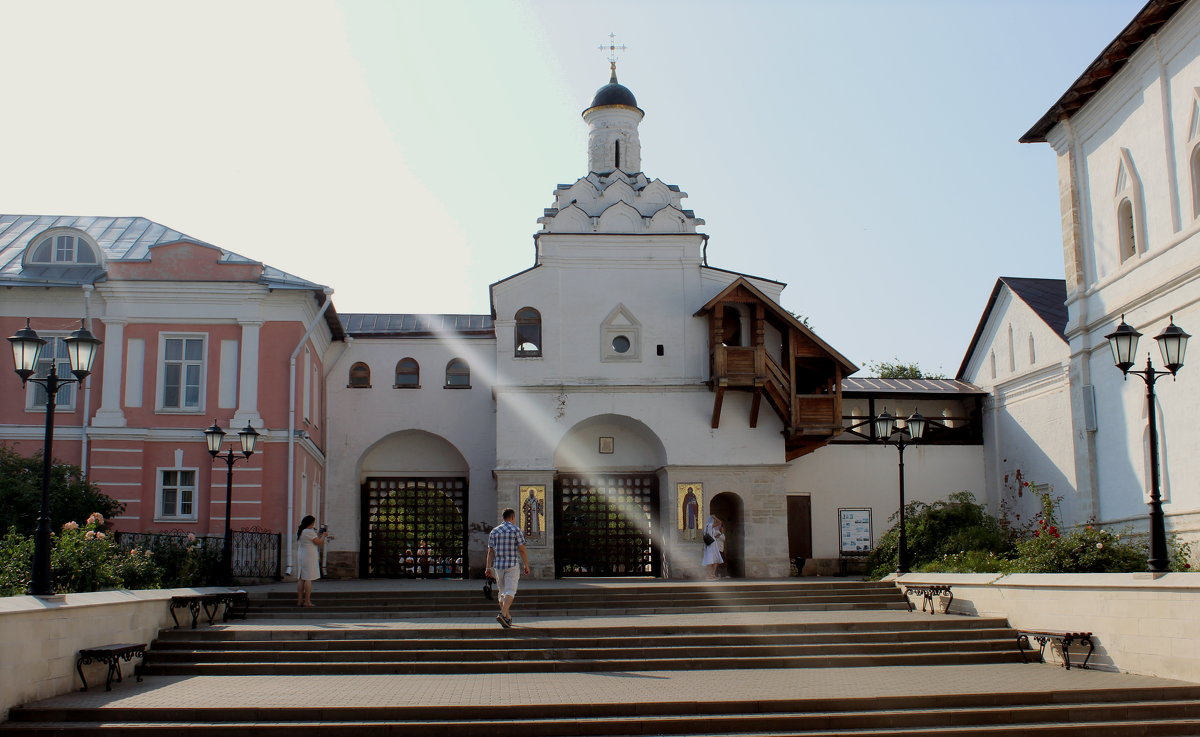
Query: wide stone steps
[913,641]
[650,599]
[1095,713]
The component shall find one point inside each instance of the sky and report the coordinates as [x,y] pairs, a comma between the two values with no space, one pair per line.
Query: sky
[864,152]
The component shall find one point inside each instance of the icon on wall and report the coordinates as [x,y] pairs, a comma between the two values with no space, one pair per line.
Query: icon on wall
[532,508]
[606,445]
[689,502]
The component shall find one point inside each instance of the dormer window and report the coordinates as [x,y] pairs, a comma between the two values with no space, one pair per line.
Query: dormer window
[66,247]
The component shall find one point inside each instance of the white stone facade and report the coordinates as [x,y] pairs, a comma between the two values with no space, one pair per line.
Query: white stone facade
[1129,175]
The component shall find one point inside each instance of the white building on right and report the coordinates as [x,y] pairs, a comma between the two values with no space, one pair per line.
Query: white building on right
[1127,137]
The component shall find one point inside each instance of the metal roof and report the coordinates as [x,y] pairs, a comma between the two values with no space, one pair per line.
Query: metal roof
[119,239]
[1145,24]
[406,325]
[877,386]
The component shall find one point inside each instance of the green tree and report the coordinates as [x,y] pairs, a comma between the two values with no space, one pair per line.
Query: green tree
[896,369]
[72,497]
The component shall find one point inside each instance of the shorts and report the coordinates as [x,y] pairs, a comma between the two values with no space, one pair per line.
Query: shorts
[506,580]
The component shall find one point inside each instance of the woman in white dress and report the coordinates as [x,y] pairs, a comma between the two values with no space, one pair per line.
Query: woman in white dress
[308,554]
[712,551]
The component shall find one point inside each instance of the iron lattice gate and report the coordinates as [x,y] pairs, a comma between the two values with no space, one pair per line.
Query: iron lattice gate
[414,528]
[606,525]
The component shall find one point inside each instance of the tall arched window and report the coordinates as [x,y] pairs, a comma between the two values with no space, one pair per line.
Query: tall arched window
[527,335]
[1126,229]
[408,374]
[458,374]
[617,153]
[360,376]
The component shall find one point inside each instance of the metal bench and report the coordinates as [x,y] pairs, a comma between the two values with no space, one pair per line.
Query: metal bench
[235,603]
[112,655]
[1064,640]
[927,592]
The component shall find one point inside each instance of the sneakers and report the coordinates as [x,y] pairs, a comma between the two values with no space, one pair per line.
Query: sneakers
[504,621]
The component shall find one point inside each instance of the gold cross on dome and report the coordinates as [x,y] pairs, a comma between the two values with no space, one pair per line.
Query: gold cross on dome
[612,48]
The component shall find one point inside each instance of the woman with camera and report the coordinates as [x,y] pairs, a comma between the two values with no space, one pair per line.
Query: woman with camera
[309,554]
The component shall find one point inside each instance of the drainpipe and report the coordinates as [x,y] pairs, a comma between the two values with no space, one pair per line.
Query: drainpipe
[291,436]
[87,389]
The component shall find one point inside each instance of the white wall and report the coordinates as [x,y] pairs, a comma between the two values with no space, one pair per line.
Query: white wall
[845,475]
[1027,426]
[1149,110]
[41,638]
[1140,624]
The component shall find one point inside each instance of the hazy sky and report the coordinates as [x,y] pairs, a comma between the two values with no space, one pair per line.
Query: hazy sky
[401,152]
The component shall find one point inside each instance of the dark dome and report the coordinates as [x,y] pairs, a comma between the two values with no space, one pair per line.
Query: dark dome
[613,94]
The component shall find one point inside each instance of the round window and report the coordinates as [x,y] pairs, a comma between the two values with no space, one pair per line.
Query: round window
[621,344]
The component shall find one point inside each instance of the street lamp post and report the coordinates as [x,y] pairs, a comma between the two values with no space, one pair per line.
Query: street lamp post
[1172,342]
[885,427]
[81,352]
[214,436]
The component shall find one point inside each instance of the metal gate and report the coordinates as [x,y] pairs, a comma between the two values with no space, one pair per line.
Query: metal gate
[414,528]
[606,525]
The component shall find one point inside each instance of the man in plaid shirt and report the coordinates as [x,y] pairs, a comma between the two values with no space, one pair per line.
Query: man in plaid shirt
[505,543]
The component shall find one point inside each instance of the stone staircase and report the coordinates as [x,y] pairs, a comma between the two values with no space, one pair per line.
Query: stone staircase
[654,598]
[682,674]
[1095,713]
[283,651]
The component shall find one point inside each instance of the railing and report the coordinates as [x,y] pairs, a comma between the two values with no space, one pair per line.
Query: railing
[257,553]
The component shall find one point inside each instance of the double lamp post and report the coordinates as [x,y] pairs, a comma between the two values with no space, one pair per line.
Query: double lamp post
[913,430]
[1172,343]
[27,348]
[214,436]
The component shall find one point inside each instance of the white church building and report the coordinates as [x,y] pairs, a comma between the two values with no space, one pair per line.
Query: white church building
[621,391]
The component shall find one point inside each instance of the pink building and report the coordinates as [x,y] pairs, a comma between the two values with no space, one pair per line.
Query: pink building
[192,333]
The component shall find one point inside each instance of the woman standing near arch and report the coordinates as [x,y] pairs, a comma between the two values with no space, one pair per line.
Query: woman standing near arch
[309,550]
[713,535]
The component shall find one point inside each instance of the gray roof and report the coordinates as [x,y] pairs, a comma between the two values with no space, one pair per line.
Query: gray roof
[119,238]
[417,326]
[876,386]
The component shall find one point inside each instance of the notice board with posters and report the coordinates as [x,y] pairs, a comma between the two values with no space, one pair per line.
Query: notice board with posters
[854,531]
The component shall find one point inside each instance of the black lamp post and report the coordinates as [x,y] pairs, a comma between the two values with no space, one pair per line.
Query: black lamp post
[1172,342]
[214,436]
[81,352]
[885,427]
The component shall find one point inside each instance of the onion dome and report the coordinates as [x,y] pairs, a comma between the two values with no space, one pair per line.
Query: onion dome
[613,93]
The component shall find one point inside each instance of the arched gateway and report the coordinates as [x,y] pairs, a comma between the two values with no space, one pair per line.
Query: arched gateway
[414,508]
[606,501]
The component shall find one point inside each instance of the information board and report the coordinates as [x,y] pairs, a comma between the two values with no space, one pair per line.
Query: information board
[854,531]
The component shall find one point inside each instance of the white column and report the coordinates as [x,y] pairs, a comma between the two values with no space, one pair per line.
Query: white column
[247,411]
[109,414]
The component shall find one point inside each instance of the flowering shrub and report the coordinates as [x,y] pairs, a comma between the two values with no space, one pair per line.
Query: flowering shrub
[82,558]
[1087,549]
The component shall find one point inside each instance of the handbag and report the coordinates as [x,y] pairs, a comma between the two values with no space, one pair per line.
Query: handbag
[487,588]
[708,539]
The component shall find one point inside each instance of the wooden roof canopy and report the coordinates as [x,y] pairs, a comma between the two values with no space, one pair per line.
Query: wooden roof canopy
[801,378]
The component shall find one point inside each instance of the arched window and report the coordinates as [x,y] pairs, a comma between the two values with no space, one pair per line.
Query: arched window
[408,374]
[617,153]
[1032,350]
[62,247]
[1127,229]
[528,333]
[992,363]
[458,374]
[360,376]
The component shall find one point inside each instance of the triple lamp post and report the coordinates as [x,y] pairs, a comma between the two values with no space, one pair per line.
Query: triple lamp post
[215,436]
[27,349]
[1172,342]
[913,430]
